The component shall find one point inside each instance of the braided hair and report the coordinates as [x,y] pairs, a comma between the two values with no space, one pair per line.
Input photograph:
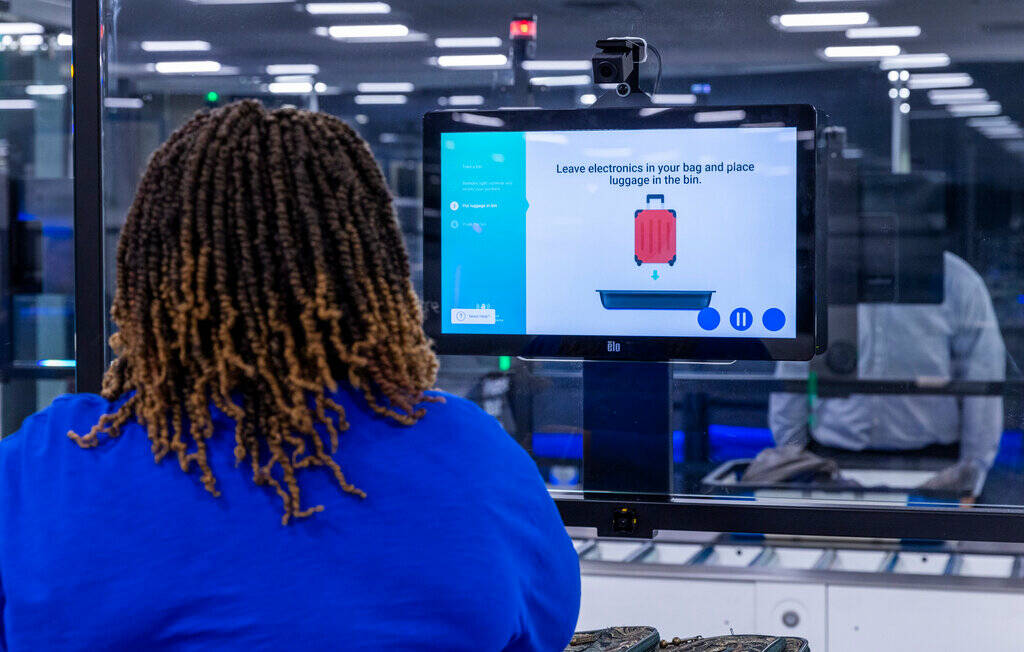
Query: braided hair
[260,264]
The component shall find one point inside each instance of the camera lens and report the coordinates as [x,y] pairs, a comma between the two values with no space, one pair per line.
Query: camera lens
[606,70]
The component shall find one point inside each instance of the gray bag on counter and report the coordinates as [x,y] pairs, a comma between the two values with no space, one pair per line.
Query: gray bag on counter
[647,639]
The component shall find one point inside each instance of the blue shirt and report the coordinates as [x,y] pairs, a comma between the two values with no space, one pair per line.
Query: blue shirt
[958,339]
[456,547]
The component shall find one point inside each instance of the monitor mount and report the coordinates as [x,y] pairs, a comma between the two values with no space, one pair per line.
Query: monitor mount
[627,406]
[627,436]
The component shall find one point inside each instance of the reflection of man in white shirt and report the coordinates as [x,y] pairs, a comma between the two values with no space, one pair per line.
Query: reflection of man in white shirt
[958,339]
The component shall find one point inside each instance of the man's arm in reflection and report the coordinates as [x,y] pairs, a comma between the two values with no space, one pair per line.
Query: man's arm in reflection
[789,414]
[978,354]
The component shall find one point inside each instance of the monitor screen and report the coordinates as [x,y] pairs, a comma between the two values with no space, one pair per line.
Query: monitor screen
[629,235]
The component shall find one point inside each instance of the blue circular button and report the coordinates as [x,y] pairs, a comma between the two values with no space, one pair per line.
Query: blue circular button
[741,319]
[773,319]
[709,319]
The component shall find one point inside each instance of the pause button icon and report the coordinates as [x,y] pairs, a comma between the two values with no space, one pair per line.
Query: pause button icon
[741,319]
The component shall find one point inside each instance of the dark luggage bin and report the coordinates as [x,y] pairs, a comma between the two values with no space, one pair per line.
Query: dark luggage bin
[655,299]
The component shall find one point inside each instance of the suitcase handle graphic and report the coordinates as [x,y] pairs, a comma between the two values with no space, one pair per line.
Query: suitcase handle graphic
[660,198]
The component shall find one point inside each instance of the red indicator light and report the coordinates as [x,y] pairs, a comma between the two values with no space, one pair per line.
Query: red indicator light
[523,29]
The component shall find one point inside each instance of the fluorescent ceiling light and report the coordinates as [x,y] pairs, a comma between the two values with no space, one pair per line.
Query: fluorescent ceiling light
[184,67]
[286,79]
[936,60]
[925,80]
[840,19]
[1002,129]
[997,121]
[468,42]
[904,31]
[30,41]
[239,2]
[16,29]
[562,80]
[384,87]
[123,102]
[411,37]
[461,100]
[367,31]
[587,99]
[381,99]
[465,100]
[17,104]
[957,95]
[821,21]
[293,69]
[557,65]
[674,98]
[861,51]
[472,60]
[64,40]
[1009,131]
[55,362]
[291,88]
[982,108]
[46,89]
[318,8]
[480,120]
[719,116]
[175,46]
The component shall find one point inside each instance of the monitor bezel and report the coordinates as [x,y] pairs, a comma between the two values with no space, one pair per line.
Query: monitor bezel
[595,347]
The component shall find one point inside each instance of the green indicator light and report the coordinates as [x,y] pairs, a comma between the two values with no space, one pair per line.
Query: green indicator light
[212,96]
[504,363]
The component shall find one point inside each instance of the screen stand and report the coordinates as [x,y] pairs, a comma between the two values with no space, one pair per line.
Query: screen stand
[627,441]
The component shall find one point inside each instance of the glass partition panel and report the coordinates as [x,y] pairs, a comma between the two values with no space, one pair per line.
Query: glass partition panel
[37,357]
[917,400]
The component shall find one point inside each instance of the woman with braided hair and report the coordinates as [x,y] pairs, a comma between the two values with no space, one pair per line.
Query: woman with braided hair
[310,490]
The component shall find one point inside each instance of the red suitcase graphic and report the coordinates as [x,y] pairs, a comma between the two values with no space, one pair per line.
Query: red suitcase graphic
[654,234]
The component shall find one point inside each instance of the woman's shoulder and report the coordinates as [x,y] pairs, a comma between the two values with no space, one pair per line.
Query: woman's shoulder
[67,412]
[459,415]
[464,426]
[453,406]
[41,444]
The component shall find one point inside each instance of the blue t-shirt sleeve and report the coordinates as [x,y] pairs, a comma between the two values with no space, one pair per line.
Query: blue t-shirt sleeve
[519,525]
[551,601]
[549,571]
[3,630]
[12,449]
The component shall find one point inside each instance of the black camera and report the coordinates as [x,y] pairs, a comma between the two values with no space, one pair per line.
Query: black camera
[612,67]
[619,63]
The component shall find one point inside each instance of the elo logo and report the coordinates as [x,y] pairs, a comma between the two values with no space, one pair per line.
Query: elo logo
[614,347]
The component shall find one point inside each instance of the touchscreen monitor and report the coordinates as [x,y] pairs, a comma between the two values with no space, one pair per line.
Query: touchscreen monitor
[649,233]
